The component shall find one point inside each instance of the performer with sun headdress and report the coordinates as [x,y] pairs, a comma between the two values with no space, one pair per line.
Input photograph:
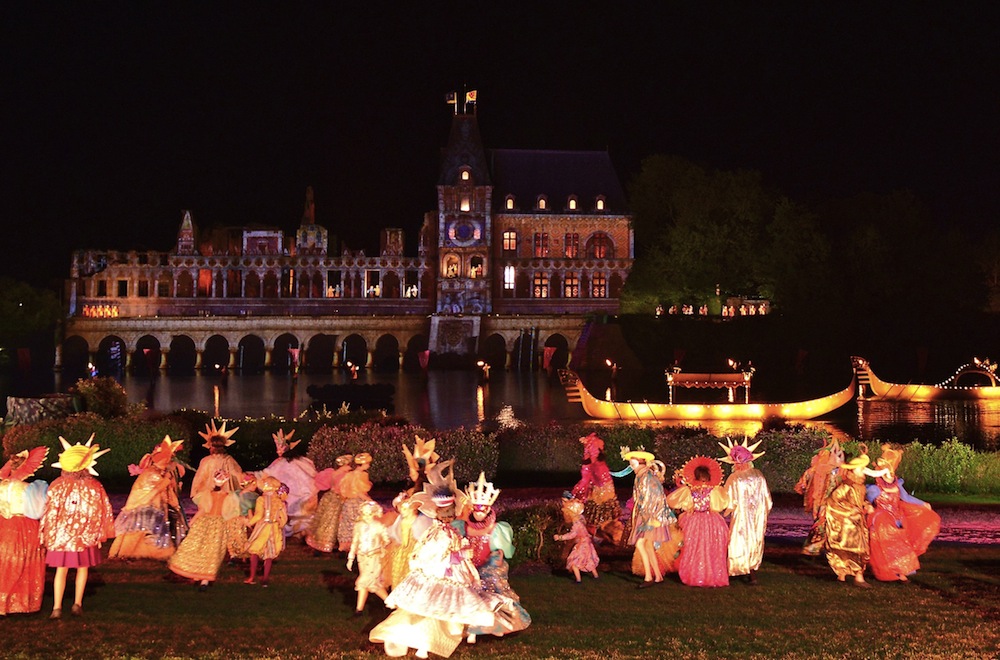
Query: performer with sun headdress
[77,520]
[749,504]
[22,558]
[703,561]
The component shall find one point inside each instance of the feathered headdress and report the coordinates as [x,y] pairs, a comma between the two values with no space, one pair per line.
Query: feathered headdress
[24,464]
[482,492]
[281,441]
[75,458]
[218,437]
[740,452]
[421,458]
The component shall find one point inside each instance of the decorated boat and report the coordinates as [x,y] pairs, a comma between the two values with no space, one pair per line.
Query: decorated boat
[576,392]
[975,380]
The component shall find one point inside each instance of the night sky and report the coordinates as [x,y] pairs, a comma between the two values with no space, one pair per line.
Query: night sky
[116,116]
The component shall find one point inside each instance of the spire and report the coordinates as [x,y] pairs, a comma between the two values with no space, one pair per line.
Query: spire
[309,213]
[464,150]
[185,235]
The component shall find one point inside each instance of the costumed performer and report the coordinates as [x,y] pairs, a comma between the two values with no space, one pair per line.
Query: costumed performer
[354,488]
[815,486]
[703,561]
[651,518]
[151,524]
[901,526]
[203,550]
[22,558]
[296,470]
[441,594]
[267,539]
[409,524]
[583,557]
[217,441]
[749,504]
[371,538]
[847,548]
[322,533]
[492,544]
[77,520]
[596,489]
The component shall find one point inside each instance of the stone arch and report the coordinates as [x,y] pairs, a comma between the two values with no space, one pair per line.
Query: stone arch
[75,356]
[251,354]
[600,245]
[110,356]
[411,358]
[147,357]
[386,354]
[183,355]
[316,289]
[281,359]
[321,352]
[302,285]
[252,285]
[216,353]
[560,356]
[493,350]
[354,349]
[270,284]
[523,356]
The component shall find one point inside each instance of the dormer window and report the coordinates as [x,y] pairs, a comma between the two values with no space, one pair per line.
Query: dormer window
[465,175]
[571,204]
[509,203]
[600,203]
[542,203]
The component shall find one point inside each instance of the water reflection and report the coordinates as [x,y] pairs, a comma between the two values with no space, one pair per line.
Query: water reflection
[450,399]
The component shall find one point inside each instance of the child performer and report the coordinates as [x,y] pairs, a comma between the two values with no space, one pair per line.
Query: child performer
[354,489]
[596,489]
[703,561]
[749,504]
[204,549]
[77,520]
[322,533]
[22,558]
[651,518]
[847,547]
[151,524]
[369,545]
[583,556]
[267,539]
[901,526]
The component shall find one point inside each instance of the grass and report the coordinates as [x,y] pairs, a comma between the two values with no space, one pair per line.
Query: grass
[951,609]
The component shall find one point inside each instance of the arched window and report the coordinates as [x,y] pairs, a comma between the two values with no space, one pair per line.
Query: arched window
[465,175]
[542,203]
[600,203]
[508,278]
[509,203]
[571,204]
[599,246]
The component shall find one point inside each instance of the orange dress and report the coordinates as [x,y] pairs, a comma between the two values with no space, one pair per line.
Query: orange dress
[22,558]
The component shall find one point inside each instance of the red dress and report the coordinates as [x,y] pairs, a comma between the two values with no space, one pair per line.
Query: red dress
[900,529]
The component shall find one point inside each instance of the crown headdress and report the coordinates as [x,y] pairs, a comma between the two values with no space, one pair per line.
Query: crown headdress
[281,441]
[76,458]
[740,452]
[482,492]
[218,436]
[422,457]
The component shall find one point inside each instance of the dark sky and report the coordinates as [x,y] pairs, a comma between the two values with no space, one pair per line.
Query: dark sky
[116,116]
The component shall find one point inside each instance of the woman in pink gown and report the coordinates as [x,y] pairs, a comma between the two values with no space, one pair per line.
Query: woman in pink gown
[704,558]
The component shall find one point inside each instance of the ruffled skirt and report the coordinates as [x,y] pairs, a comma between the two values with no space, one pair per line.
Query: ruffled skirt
[201,554]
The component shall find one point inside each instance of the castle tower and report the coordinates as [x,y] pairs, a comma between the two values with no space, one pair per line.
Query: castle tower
[464,222]
[185,235]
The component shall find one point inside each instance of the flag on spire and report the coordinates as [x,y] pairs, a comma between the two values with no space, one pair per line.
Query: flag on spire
[451,98]
[470,96]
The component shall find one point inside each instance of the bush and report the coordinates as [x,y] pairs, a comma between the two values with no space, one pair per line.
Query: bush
[104,396]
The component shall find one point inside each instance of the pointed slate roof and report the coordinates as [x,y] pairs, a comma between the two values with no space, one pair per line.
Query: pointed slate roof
[465,148]
[526,174]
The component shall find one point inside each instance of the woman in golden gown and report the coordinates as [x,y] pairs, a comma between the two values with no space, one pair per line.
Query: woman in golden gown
[203,550]
[847,547]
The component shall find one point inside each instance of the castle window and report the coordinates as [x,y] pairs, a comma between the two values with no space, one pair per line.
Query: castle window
[572,203]
[476,267]
[122,288]
[465,175]
[540,288]
[600,203]
[599,286]
[541,204]
[102,288]
[541,245]
[572,246]
[509,203]
[600,247]
[508,278]
[510,241]
[464,205]
[571,286]
[143,288]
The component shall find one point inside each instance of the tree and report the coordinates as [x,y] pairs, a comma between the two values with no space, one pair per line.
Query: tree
[25,313]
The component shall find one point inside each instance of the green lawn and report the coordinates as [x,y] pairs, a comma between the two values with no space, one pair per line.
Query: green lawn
[951,609]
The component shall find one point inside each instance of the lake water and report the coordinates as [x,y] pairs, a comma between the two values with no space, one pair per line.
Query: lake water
[449,399]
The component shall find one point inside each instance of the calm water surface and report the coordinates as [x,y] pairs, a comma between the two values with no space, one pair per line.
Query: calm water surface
[449,399]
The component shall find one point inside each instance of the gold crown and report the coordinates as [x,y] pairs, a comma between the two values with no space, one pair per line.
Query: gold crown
[218,435]
[482,492]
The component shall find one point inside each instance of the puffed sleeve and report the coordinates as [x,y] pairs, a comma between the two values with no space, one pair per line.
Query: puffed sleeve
[35,496]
